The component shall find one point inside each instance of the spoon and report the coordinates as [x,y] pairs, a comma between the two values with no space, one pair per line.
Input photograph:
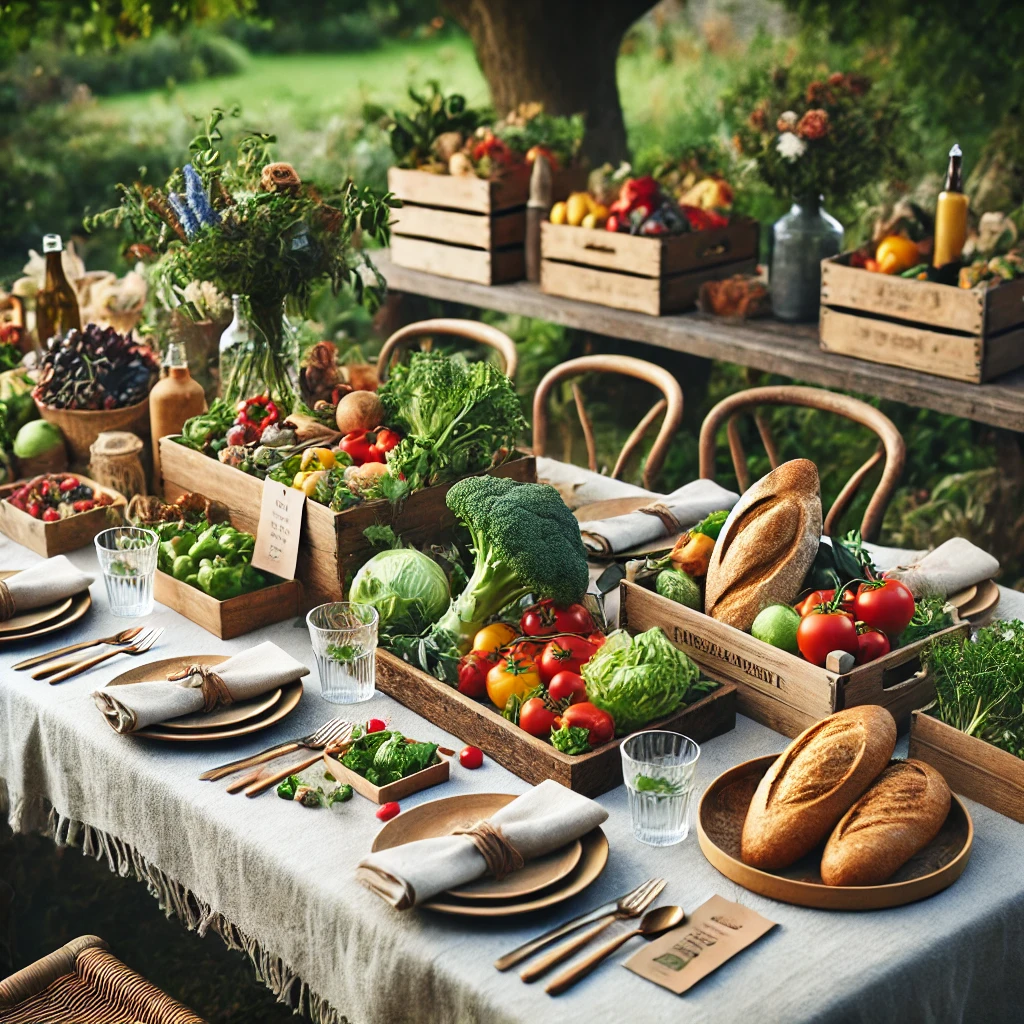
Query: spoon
[653,923]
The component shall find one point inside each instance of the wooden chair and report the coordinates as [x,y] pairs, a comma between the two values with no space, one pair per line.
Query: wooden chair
[85,983]
[671,405]
[470,330]
[890,448]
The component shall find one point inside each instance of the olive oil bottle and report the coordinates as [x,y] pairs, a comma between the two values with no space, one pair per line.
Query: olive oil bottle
[56,303]
[951,214]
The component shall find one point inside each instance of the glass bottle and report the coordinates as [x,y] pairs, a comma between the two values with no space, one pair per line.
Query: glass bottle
[800,240]
[175,398]
[56,304]
[236,345]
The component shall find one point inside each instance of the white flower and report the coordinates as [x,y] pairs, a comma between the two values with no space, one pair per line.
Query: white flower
[787,120]
[790,146]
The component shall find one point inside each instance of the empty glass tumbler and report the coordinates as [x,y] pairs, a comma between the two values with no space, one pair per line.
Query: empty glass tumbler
[127,556]
[659,769]
[344,637]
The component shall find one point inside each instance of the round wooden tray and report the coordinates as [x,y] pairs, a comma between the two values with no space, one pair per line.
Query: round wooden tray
[720,823]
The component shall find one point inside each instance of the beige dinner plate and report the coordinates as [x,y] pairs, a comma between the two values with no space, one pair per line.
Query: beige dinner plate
[985,599]
[962,598]
[37,617]
[441,817]
[80,604]
[243,711]
[535,875]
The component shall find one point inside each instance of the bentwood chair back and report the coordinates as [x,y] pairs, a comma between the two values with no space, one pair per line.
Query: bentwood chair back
[671,404]
[469,330]
[891,448]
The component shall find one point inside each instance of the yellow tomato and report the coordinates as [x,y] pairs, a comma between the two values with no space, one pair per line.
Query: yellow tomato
[557,215]
[494,637]
[692,553]
[576,208]
[511,675]
[895,253]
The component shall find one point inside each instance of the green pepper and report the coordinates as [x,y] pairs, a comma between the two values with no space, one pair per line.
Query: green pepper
[183,567]
[165,556]
[207,545]
[183,543]
[220,583]
[193,580]
[250,579]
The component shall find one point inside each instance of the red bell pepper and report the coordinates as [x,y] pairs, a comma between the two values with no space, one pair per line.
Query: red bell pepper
[370,445]
[258,412]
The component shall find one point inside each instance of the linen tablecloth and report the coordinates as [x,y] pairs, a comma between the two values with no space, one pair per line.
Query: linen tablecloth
[276,879]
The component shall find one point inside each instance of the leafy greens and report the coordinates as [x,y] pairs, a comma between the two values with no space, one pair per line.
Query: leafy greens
[386,756]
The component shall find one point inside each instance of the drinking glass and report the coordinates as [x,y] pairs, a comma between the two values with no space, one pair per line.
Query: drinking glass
[344,637]
[127,557]
[659,769]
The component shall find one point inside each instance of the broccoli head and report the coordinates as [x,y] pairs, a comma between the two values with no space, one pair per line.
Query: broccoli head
[525,541]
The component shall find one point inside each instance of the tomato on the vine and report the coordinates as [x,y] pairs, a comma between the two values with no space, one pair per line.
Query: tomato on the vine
[871,644]
[511,675]
[822,632]
[567,686]
[536,717]
[546,617]
[585,715]
[816,597]
[887,605]
[494,637]
[473,669]
[527,649]
[565,654]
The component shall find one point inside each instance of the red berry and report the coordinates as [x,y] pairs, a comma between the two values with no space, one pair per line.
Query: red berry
[387,811]
[69,483]
[32,508]
[84,505]
[50,515]
[471,757]
[44,488]
[376,725]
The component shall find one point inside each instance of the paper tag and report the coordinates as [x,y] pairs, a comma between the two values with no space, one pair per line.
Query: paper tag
[714,933]
[277,536]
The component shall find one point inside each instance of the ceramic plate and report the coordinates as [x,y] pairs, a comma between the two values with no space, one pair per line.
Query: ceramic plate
[37,617]
[243,711]
[80,604]
[984,600]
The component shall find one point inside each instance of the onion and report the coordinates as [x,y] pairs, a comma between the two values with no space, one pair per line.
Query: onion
[359,410]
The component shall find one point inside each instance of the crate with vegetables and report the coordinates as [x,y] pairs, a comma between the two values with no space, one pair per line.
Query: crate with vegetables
[375,457]
[464,180]
[630,243]
[804,626]
[540,689]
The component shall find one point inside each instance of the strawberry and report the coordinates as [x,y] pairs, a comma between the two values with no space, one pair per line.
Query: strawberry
[32,508]
[50,515]
[84,505]
[69,483]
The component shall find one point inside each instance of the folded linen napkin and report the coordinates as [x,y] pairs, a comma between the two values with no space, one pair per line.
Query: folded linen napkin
[579,486]
[951,567]
[133,707]
[688,506]
[43,584]
[538,822]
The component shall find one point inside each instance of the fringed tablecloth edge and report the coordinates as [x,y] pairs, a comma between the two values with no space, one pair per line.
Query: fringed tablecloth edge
[36,814]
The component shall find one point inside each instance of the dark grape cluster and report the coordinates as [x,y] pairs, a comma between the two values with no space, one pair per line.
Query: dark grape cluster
[95,368]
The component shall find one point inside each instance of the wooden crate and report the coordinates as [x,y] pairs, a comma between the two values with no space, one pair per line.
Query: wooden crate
[972,767]
[332,544]
[972,334]
[49,539]
[776,688]
[643,274]
[529,757]
[432,775]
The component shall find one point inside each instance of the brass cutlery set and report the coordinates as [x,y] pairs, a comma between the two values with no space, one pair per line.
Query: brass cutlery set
[136,640]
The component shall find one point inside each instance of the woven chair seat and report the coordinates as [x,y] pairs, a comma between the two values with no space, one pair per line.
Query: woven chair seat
[84,983]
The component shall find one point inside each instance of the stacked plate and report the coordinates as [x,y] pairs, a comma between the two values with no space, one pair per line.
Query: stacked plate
[543,882]
[224,723]
[977,602]
[41,621]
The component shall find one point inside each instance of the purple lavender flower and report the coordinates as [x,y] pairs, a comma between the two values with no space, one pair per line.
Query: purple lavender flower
[184,213]
[197,198]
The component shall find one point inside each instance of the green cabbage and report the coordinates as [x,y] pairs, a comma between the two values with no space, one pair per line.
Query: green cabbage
[408,589]
[640,679]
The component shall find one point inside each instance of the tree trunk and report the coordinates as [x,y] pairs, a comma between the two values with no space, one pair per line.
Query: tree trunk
[557,52]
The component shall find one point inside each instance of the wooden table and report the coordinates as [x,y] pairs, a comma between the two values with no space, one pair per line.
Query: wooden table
[787,349]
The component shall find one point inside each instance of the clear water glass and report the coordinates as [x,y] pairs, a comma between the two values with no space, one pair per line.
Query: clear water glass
[659,769]
[344,637]
[127,557]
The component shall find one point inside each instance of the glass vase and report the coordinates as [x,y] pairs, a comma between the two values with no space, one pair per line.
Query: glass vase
[801,239]
[259,352]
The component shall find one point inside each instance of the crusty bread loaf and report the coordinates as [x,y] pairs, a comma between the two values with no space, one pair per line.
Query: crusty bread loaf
[766,545]
[899,815]
[813,783]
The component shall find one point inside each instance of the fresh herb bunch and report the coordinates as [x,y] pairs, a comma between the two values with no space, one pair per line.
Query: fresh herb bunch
[930,615]
[979,684]
[657,785]
[434,114]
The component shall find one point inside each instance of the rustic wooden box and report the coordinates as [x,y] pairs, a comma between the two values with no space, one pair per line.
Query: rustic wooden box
[432,775]
[49,539]
[639,273]
[776,688]
[237,615]
[972,767]
[332,544]
[530,758]
[971,334]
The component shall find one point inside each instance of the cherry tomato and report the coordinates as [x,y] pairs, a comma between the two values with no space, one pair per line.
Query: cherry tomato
[470,757]
[824,597]
[567,685]
[473,669]
[546,617]
[387,811]
[536,718]
[585,715]
[565,654]
[511,675]
[887,605]
[376,725]
[820,633]
[494,637]
[871,644]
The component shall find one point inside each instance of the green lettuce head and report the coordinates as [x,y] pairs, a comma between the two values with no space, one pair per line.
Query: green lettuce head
[408,589]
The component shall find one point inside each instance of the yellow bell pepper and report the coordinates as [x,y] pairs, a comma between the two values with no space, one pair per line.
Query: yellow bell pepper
[323,457]
[895,253]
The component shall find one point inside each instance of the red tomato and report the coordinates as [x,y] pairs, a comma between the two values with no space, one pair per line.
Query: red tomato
[567,685]
[586,716]
[824,597]
[887,605]
[376,725]
[565,654]
[473,669]
[820,633]
[871,644]
[536,718]
[470,757]
[597,639]
[387,811]
[530,649]
[546,617]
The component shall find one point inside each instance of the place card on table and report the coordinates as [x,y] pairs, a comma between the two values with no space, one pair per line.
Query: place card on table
[713,934]
[277,535]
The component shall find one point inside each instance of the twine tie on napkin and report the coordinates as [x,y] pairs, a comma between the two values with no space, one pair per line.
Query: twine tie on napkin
[501,856]
[7,608]
[664,513]
[215,690]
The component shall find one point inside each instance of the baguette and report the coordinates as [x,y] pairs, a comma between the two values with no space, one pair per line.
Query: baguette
[898,816]
[813,783]
[766,545]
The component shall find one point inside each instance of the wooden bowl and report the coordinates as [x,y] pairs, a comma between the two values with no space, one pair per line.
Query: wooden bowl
[81,427]
[720,816]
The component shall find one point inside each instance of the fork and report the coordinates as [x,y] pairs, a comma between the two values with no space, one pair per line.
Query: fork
[119,638]
[255,781]
[328,733]
[630,906]
[624,905]
[140,646]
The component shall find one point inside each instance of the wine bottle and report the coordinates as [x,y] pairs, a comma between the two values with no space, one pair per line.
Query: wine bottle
[56,304]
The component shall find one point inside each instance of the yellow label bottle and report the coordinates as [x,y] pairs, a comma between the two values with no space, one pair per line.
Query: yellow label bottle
[951,214]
